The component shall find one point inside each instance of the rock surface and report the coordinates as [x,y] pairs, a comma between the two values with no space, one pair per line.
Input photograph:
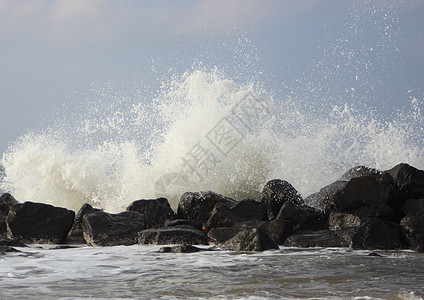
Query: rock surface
[155,211]
[75,235]
[249,239]
[104,229]
[39,223]
[169,236]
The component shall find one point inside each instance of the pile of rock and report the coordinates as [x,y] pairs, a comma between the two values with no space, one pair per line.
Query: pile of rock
[365,209]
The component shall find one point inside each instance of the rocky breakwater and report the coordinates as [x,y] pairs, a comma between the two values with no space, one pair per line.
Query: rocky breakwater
[365,209]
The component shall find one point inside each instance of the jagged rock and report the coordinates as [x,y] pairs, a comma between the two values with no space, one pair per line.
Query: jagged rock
[219,235]
[359,171]
[409,179]
[104,229]
[278,230]
[197,206]
[39,223]
[322,238]
[7,201]
[338,220]
[413,228]
[322,200]
[413,206]
[223,215]
[181,249]
[370,196]
[5,242]
[277,192]
[75,235]
[169,236]
[375,233]
[155,211]
[303,217]
[180,223]
[3,226]
[7,249]
[249,239]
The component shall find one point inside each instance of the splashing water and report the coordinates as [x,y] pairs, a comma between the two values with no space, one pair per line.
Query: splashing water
[193,134]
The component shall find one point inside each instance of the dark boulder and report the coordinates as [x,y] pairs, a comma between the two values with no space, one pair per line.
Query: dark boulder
[338,220]
[277,192]
[370,196]
[322,200]
[413,207]
[75,235]
[104,229]
[7,201]
[223,215]
[155,211]
[180,223]
[169,236]
[359,171]
[278,230]
[39,223]
[7,249]
[375,233]
[413,229]
[303,217]
[198,206]
[5,242]
[181,249]
[409,179]
[219,235]
[3,226]
[322,238]
[249,239]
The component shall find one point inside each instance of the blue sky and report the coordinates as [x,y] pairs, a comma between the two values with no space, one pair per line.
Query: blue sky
[52,49]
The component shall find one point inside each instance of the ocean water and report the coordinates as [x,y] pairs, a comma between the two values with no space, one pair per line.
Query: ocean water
[140,272]
[206,129]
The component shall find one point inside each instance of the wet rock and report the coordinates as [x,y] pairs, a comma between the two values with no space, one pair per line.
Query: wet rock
[303,217]
[223,215]
[375,233]
[5,242]
[7,249]
[180,223]
[370,196]
[249,239]
[198,206]
[181,249]
[3,226]
[155,211]
[39,223]
[322,200]
[278,230]
[359,171]
[7,201]
[322,238]
[104,229]
[409,179]
[338,220]
[219,235]
[75,235]
[275,193]
[169,236]
[413,229]
[413,206]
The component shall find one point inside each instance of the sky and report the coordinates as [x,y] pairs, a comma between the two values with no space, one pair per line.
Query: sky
[51,50]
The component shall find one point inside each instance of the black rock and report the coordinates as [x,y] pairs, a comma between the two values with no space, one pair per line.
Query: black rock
[7,249]
[104,229]
[375,233]
[6,202]
[370,196]
[3,226]
[303,217]
[409,179]
[181,249]
[169,236]
[155,211]
[323,199]
[249,239]
[75,235]
[5,242]
[413,207]
[322,238]
[198,206]
[226,216]
[359,171]
[180,223]
[275,193]
[413,229]
[338,220]
[278,230]
[219,235]
[39,223]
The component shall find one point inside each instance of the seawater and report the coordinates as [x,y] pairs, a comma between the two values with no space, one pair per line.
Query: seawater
[140,272]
